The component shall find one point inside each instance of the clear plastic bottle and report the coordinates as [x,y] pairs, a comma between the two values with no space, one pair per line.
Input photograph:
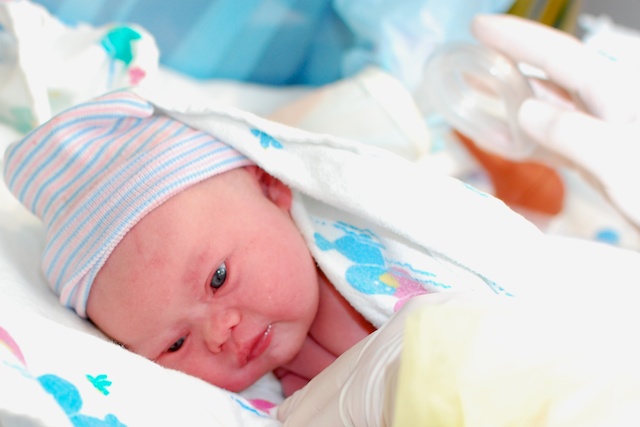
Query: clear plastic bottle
[478,91]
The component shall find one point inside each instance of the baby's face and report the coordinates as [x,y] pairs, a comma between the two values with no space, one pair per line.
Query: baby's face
[217,282]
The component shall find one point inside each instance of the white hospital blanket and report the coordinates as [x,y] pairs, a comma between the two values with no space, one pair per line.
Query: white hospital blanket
[372,219]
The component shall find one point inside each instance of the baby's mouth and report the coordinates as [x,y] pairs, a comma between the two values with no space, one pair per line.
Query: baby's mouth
[256,347]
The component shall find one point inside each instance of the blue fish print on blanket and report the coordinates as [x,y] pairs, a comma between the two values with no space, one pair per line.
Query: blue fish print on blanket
[371,272]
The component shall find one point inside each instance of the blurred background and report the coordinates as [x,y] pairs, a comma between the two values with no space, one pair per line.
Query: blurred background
[623,12]
[314,42]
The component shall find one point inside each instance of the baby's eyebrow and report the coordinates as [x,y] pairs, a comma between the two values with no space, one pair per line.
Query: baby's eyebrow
[192,272]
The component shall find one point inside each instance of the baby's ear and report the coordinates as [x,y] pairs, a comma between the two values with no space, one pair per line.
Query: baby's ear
[273,189]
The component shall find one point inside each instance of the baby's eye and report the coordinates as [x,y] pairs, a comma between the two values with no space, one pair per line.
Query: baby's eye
[176,346]
[218,278]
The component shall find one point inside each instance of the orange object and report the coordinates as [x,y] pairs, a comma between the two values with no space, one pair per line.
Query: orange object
[528,184]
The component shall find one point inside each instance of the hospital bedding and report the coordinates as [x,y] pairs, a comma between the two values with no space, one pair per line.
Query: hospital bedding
[48,352]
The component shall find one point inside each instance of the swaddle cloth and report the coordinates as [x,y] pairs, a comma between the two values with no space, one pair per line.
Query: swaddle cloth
[382,228]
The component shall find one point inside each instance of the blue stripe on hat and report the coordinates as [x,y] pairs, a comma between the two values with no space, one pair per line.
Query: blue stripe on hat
[123,145]
[142,105]
[101,189]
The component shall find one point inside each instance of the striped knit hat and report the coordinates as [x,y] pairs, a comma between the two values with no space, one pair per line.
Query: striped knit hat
[92,172]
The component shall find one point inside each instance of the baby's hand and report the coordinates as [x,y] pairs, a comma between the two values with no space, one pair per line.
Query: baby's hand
[359,387]
[290,381]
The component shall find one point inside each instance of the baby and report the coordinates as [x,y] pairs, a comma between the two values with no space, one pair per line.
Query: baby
[183,250]
[178,247]
[218,282]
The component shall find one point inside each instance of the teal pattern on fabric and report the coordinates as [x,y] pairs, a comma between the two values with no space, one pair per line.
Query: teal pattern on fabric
[266,140]
[69,399]
[65,393]
[371,272]
[100,382]
[118,43]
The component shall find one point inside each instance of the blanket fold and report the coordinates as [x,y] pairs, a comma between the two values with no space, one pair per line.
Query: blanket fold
[384,228]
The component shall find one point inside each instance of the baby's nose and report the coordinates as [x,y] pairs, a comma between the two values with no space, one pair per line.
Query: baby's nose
[219,327]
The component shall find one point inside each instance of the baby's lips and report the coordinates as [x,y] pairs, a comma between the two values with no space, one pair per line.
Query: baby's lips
[255,347]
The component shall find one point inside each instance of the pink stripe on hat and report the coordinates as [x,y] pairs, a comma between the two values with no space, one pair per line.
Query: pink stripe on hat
[92,172]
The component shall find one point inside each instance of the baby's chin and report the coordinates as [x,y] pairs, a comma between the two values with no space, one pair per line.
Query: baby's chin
[246,379]
[237,384]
